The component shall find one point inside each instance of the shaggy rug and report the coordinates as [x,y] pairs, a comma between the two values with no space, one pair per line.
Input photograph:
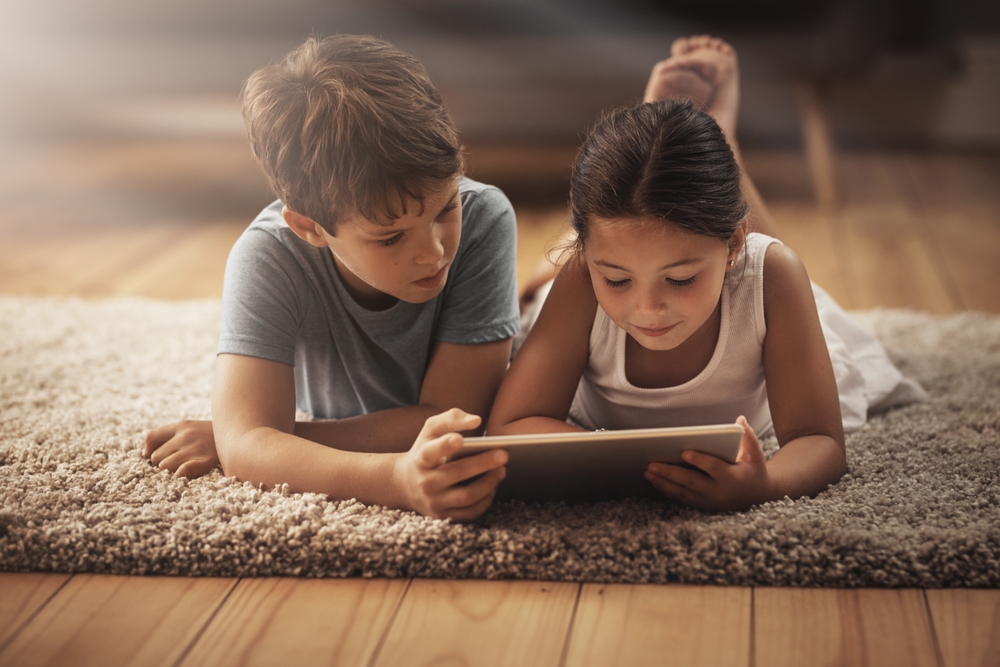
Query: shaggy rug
[80,383]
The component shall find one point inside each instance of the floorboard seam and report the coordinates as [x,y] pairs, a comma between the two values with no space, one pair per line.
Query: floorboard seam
[215,612]
[388,625]
[7,642]
[938,653]
[569,630]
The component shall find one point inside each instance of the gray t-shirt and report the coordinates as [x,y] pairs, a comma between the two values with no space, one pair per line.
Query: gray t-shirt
[283,300]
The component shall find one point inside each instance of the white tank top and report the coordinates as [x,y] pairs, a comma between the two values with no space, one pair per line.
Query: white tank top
[732,384]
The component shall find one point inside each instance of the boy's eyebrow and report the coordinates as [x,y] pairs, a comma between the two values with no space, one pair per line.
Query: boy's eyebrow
[683,262]
[390,230]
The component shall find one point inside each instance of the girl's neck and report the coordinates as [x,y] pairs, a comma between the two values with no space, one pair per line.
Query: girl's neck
[651,369]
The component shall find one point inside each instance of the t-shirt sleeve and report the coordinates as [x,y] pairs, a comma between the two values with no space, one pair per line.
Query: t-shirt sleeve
[480,305]
[261,299]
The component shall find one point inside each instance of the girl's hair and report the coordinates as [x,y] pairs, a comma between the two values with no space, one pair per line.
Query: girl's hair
[663,160]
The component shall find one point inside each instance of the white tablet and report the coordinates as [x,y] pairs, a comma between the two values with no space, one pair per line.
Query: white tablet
[585,465]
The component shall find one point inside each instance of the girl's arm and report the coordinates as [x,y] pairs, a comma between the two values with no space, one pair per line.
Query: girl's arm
[537,392]
[801,387]
[805,409]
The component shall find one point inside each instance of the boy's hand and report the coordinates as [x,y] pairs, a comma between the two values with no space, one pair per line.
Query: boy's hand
[723,486]
[431,485]
[186,448]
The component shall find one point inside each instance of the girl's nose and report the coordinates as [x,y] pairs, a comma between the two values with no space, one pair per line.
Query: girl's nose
[651,301]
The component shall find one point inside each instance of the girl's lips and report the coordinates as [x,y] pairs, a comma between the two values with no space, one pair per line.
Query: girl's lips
[432,281]
[654,333]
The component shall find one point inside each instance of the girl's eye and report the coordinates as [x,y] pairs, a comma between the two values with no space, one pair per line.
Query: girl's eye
[391,240]
[616,284]
[681,283]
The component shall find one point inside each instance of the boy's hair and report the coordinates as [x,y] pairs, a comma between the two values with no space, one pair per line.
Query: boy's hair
[664,160]
[349,125]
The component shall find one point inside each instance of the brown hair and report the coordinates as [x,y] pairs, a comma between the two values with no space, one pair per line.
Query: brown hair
[664,160]
[349,125]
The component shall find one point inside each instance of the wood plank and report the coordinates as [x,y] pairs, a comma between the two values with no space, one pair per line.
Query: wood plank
[849,627]
[632,625]
[110,620]
[967,623]
[482,623]
[818,142]
[302,622]
[894,266]
[538,232]
[23,595]
[962,223]
[807,231]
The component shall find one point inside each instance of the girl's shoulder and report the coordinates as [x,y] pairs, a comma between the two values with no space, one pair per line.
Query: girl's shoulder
[787,286]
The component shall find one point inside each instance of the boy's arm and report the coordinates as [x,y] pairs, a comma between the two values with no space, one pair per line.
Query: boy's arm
[253,405]
[458,376]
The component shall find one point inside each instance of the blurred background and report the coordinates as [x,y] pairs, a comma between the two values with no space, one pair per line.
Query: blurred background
[125,171]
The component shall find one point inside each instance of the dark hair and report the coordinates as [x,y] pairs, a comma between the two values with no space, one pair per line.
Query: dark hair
[664,160]
[349,124]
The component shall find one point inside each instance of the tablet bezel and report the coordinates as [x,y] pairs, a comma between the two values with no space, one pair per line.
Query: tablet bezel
[597,465]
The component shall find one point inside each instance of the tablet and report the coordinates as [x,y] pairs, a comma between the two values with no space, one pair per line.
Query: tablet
[601,465]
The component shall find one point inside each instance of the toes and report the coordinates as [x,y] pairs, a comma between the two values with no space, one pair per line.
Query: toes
[680,46]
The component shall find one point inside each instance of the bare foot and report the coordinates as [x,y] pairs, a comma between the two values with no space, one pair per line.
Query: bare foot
[705,70]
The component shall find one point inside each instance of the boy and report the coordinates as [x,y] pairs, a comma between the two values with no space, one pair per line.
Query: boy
[378,292]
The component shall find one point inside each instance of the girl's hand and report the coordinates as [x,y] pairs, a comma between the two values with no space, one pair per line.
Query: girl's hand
[719,485]
[186,448]
[433,486]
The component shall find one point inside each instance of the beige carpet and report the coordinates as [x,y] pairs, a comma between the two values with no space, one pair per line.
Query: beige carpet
[80,383]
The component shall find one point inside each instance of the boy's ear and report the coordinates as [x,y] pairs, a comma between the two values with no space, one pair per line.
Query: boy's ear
[305,228]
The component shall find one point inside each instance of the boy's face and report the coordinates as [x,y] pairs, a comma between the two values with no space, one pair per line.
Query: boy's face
[408,260]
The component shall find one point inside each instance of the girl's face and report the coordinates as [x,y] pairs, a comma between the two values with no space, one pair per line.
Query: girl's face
[658,283]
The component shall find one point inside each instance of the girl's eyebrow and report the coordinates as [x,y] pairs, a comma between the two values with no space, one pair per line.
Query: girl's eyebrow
[683,262]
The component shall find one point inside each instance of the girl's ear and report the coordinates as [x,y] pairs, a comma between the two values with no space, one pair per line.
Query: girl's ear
[735,244]
[305,228]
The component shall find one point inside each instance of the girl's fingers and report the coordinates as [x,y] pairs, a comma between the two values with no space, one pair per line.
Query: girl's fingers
[172,462]
[681,477]
[750,449]
[712,466]
[673,490]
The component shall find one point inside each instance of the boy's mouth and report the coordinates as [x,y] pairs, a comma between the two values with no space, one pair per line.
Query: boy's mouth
[430,282]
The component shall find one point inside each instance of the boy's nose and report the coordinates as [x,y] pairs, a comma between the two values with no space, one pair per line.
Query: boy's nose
[431,249]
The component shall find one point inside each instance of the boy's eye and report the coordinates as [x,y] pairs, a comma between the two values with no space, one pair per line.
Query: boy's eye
[681,283]
[391,240]
[616,284]
[449,208]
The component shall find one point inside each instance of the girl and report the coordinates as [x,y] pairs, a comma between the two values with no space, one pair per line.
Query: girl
[669,313]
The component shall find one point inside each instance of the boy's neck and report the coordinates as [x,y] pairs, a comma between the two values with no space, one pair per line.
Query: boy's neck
[363,294]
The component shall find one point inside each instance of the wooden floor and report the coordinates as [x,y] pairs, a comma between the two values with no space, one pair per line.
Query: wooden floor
[106,219]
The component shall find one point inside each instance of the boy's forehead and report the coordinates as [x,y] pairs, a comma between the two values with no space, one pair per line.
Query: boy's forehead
[435,198]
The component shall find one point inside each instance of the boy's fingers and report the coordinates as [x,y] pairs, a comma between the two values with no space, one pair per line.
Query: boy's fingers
[448,421]
[459,497]
[195,468]
[157,437]
[164,451]
[435,452]
[473,511]
[463,469]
